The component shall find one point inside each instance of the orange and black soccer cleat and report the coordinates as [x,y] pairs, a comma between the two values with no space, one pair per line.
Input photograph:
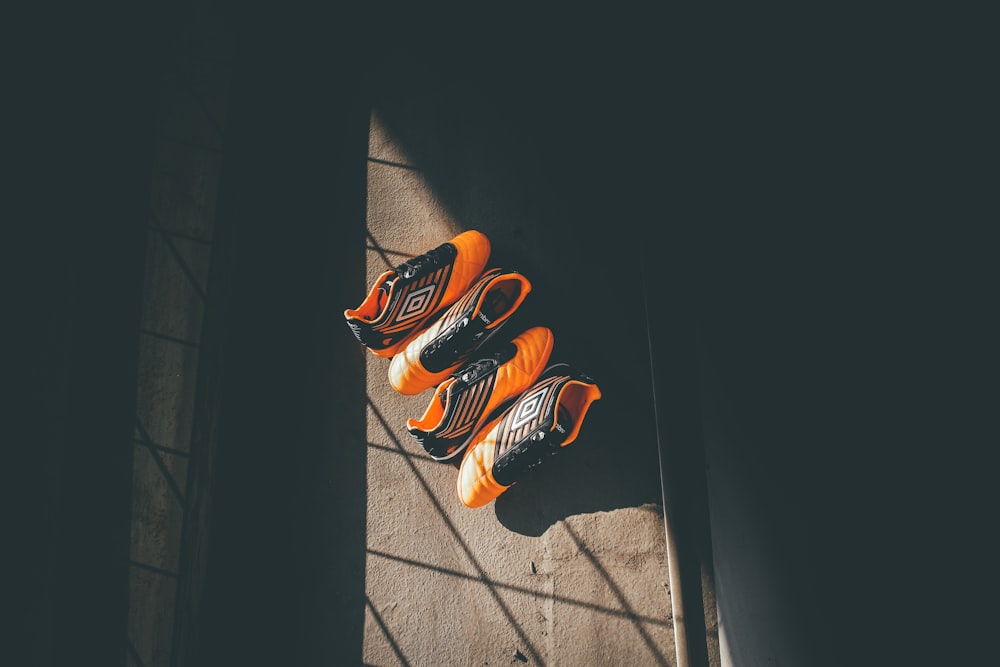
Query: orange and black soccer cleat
[543,420]
[403,300]
[468,397]
[453,338]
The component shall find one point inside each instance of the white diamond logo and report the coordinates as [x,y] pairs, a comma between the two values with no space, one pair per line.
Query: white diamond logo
[416,303]
[528,409]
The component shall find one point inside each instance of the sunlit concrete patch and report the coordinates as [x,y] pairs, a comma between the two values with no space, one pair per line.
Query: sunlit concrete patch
[613,565]
[435,613]
[404,507]
[405,218]
[404,215]
[437,584]
[381,647]
[450,584]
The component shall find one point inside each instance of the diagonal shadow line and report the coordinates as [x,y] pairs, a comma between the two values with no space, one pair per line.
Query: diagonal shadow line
[393,450]
[135,654]
[152,568]
[490,585]
[385,630]
[163,448]
[170,339]
[148,442]
[187,85]
[521,589]
[177,255]
[394,164]
[650,644]
[377,247]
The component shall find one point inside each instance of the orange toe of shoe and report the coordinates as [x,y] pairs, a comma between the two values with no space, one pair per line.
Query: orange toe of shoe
[403,300]
[476,486]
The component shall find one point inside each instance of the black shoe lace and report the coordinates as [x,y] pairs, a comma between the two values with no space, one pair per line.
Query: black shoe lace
[476,369]
[450,340]
[420,265]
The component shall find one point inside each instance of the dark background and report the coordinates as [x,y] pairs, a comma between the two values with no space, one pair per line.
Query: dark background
[807,182]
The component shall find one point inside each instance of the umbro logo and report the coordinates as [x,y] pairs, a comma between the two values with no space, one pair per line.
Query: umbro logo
[528,409]
[416,303]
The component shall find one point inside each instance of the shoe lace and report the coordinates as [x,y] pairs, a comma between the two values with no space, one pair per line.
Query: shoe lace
[476,369]
[422,264]
[454,339]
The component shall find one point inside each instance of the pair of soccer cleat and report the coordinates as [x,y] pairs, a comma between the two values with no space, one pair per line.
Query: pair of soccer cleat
[503,406]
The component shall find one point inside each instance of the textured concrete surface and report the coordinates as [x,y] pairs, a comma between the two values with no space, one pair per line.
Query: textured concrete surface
[569,565]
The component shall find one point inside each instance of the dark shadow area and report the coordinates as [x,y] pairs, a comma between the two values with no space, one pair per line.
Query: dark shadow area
[836,334]
[672,323]
[79,147]
[283,548]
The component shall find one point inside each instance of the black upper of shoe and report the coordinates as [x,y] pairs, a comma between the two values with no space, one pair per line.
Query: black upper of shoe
[531,452]
[485,365]
[459,340]
[413,269]
[547,436]
[406,272]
